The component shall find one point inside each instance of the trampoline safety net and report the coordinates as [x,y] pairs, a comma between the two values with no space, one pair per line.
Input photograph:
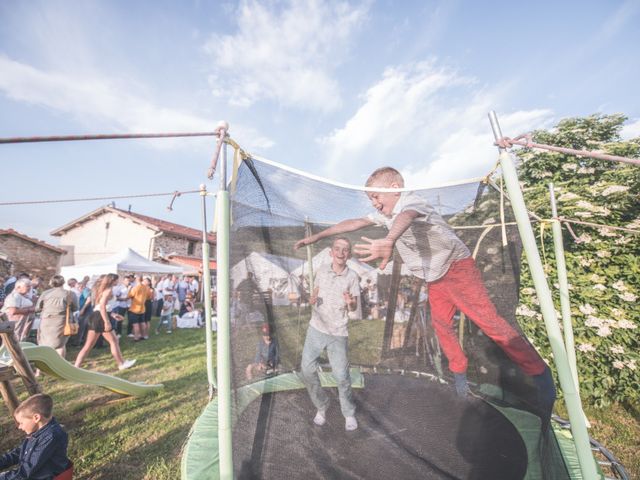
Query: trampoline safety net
[315,328]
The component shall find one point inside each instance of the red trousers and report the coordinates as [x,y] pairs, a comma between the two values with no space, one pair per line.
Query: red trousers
[461,288]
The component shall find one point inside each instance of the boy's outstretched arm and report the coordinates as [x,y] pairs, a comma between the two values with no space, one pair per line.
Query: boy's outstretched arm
[342,227]
[382,248]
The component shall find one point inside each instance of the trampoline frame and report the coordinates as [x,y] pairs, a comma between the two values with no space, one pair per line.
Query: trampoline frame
[224,412]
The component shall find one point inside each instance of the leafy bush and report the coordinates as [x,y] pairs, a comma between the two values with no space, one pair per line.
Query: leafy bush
[603,263]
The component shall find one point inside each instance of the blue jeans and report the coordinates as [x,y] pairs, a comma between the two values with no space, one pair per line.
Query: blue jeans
[336,347]
[165,320]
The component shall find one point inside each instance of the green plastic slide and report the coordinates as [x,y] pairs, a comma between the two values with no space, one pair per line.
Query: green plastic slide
[49,362]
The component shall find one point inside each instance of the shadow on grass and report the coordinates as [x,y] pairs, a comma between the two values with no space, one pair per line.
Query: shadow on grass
[135,461]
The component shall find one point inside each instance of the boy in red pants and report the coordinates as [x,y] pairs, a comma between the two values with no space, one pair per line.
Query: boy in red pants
[433,252]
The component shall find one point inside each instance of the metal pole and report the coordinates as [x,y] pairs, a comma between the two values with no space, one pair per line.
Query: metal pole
[224,326]
[571,151]
[578,427]
[69,138]
[206,297]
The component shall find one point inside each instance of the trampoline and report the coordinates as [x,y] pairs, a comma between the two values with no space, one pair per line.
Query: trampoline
[412,421]
[400,435]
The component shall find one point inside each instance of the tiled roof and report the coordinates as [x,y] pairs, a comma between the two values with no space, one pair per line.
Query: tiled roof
[169,227]
[40,243]
[194,262]
[151,222]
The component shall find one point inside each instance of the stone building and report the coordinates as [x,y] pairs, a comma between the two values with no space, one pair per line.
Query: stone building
[27,254]
[108,230]
[6,266]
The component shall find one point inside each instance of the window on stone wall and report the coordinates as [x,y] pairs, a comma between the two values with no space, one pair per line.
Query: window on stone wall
[191,247]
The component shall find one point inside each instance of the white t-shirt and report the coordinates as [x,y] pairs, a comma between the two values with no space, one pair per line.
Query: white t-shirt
[330,314]
[429,246]
[167,307]
[120,292]
[167,284]
[15,300]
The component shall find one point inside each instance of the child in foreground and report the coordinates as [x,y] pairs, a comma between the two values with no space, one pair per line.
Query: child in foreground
[335,294]
[43,454]
[433,252]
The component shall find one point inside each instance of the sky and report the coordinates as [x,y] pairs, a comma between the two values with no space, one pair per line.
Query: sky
[332,88]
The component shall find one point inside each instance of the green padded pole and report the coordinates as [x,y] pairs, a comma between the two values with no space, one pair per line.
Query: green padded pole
[565,303]
[572,400]
[224,325]
[206,297]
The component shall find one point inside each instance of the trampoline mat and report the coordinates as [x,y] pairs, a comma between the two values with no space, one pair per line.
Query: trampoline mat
[408,428]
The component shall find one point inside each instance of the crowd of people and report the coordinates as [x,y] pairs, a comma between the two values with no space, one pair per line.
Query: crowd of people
[99,307]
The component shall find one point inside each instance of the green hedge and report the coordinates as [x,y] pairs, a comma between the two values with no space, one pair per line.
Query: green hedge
[603,264]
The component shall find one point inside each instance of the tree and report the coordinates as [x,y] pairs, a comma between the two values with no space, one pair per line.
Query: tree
[603,263]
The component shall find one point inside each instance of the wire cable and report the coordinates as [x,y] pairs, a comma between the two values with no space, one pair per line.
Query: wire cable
[91,199]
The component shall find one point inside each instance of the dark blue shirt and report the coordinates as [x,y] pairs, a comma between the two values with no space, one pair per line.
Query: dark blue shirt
[267,353]
[83,297]
[42,455]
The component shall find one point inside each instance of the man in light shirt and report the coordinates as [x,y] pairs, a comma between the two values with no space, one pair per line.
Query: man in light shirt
[19,309]
[335,294]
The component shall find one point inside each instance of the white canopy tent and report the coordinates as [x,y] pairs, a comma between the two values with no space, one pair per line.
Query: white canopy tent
[363,270]
[125,261]
[271,272]
[265,271]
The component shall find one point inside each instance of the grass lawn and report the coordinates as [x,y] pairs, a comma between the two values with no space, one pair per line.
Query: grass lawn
[112,437]
[115,437]
[617,428]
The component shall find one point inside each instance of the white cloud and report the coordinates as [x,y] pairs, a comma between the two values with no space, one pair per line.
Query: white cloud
[427,120]
[631,130]
[98,100]
[286,55]
[467,150]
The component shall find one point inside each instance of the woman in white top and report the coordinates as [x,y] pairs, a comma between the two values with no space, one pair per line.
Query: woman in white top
[99,323]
